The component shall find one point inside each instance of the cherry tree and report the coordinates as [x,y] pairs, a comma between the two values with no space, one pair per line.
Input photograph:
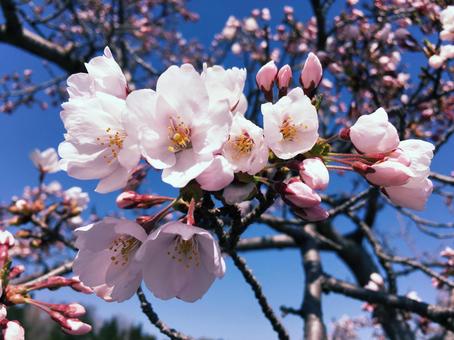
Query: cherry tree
[310,105]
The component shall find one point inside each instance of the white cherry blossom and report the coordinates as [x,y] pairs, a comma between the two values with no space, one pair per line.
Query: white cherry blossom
[106,257]
[180,260]
[178,126]
[226,84]
[373,133]
[245,148]
[290,125]
[45,161]
[104,75]
[96,144]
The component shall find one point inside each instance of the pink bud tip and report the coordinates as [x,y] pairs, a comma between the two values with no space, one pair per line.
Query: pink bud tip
[126,199]
[76,327]
[266,76]
[311,75]
[284,79]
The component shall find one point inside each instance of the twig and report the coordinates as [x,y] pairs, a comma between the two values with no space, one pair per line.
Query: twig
[263,302]
[147,309]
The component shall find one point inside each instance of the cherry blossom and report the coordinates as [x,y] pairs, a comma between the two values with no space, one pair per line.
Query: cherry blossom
[45,161]
[245,148]
[447,21]
[180,260]
[314,173]
[311,74]
[217,176]
[266,77]
[106,256]
[104,75]
[226,84]
[96,144]
[179,127]
[298,194]
[290,125]
[373,133]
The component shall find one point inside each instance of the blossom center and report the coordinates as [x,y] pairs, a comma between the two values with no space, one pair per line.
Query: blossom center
[122,247]
[179,136]
[288,129]
[185,252]
[113,140]
[244,143]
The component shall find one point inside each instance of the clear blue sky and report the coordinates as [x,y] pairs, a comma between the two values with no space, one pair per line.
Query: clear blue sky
[228,310]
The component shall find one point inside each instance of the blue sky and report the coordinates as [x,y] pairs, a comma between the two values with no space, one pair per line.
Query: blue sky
[228,310]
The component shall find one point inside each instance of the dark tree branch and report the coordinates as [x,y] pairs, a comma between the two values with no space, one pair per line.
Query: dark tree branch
[266,308]
[147,309]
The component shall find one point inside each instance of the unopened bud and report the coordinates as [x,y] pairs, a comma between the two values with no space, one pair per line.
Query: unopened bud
[76,327]
[265,79]
[298,194]
[131,200]
[284,79]
[362,168]
[72,310]
[311,75]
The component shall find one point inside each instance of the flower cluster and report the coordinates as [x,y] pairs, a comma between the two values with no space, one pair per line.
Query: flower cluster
[193,127]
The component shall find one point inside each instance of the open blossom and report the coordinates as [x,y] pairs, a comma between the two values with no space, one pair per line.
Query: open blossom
[217,176]
[389,173]
[106,257]
[226,84]
[290,125]
[417,190]
[245,149]
[77,197]
[314,173]
[96,144]
[373,133]
[104,75]
[178,126]
[447,21]
[180,260]
[446,52]
[45,161]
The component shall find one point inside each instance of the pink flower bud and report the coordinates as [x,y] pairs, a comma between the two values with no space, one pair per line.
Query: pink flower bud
[265,79]
[312,214]
[13,331]
[298,194]
[311,75]
[131,200]
[80,287]
[76,327]
[284,79]
[16,271]
[314,173]
[389,173]
[73,310]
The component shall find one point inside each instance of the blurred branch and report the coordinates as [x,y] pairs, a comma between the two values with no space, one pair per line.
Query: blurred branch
[442,315]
